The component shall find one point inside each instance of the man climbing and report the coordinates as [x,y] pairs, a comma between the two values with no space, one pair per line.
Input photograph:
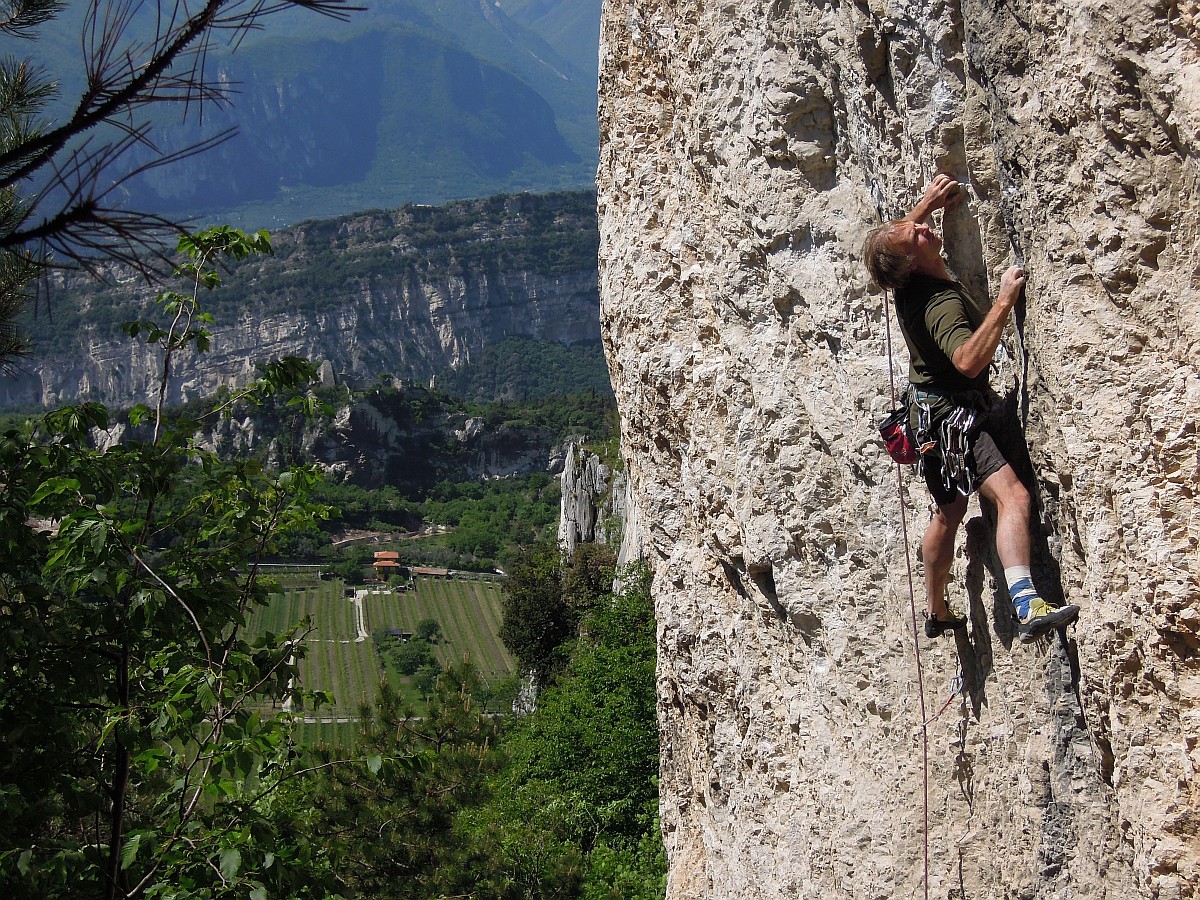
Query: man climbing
[951,341]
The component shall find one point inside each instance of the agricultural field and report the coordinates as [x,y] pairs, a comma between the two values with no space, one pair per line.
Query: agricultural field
[341,659]
[468,612]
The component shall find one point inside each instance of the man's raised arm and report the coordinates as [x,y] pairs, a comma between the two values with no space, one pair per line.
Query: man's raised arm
[939,193]
[975,355]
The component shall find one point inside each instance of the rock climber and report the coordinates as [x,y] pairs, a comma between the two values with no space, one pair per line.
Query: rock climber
[953,413]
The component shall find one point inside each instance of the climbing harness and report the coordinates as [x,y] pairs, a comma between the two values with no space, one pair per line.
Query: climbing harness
[955,434]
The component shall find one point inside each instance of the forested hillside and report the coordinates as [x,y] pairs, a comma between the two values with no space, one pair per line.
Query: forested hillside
[408,101]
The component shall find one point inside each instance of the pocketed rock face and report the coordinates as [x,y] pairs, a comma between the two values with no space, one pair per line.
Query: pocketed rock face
[746,150]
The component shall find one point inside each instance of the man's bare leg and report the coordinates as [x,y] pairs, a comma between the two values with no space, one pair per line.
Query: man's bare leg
[937,553]
[1011,500]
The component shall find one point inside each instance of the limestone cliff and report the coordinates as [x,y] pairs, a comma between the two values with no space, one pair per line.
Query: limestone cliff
[746,149]
[385,439]
[592,500]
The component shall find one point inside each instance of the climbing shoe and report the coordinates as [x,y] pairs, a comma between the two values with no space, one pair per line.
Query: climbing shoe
[1043,617]
[935,627]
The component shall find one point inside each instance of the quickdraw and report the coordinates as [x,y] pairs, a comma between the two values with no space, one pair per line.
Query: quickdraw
[956,430]
[924,434]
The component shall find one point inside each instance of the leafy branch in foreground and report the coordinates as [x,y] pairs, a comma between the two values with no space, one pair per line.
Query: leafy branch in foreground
[139,755]
[188,321]
[62,184]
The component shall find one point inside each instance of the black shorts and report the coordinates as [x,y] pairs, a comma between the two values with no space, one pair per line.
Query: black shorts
[985,460]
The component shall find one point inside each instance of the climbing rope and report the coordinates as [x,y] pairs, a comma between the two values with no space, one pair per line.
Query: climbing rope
[956,684]
[912,605]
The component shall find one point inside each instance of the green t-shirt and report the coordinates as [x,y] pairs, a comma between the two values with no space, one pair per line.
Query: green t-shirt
[937,317]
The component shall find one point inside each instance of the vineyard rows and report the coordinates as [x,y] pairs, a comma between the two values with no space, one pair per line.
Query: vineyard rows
[469,613]
[348,669]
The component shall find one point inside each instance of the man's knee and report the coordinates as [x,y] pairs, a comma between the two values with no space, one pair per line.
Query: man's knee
[1006,490]
[952,514]
[1020,497]
[944,525]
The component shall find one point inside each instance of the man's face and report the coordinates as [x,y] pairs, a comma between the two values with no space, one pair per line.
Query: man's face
[915,239]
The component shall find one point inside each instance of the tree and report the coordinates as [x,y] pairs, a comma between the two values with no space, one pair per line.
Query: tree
[588,575]
[537,621]
[412,655]
[399,825]
[61,183]
[594,733]
[429,630]
[135,759]
[573,813]
[425,678]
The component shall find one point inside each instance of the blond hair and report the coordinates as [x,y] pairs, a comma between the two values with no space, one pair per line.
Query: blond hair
[889,268]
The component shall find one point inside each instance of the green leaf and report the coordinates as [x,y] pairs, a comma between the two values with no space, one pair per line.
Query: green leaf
[261,241]
[23,862]
[374,764]
[60,484]
[231,862]
[259,893]
[99,536]
[205,695]
[150,759]
[129,851]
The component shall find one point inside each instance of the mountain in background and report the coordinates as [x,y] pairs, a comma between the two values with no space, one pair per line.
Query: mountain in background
[492,299]
[572,27]
[420,101]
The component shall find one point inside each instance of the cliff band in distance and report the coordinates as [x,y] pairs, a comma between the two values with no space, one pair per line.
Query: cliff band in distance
[745,151]
[404,294]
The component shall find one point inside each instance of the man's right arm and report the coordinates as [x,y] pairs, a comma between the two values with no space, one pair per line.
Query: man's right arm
[976,353]
[939,193]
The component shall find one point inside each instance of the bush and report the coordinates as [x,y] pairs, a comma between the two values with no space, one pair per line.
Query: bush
[411,656]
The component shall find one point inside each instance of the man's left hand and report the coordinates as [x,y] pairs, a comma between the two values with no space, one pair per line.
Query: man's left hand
[1011,285]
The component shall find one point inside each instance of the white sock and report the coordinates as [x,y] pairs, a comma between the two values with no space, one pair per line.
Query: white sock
[1020,588]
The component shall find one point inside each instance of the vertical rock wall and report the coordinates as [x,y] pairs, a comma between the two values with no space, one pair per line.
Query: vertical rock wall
[746,149]
[584,484]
